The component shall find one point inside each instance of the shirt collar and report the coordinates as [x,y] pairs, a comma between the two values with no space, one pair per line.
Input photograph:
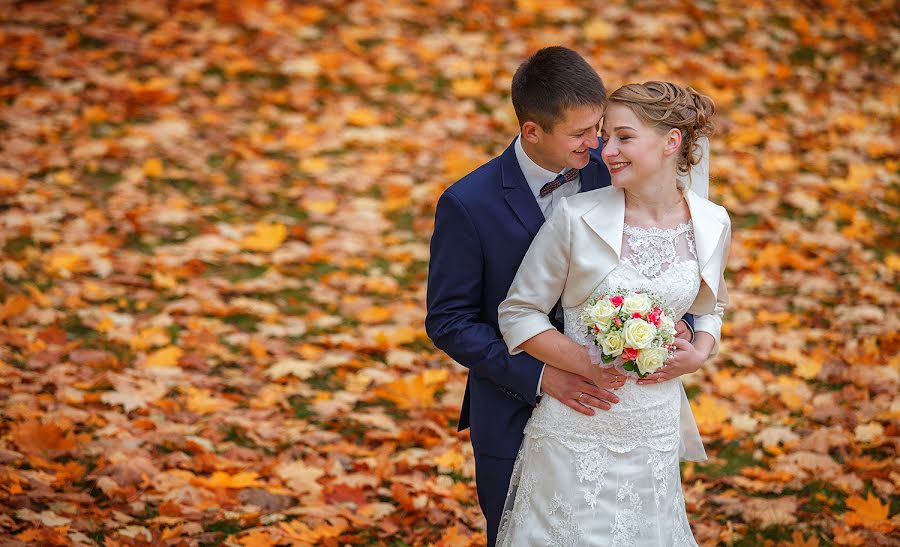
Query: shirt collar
[535,175]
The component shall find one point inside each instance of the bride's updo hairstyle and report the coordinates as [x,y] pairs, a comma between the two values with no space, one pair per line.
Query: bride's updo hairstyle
[666,106]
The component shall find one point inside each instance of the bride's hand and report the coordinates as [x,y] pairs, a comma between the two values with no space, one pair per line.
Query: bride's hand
[607,377]
[687,359]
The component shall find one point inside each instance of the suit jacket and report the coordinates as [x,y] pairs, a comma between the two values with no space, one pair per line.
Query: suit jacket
[484,224]
[581,244]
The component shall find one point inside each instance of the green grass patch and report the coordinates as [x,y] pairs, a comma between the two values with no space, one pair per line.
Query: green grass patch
[734,457]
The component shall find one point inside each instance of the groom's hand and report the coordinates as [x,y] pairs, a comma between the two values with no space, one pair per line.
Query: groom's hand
[683,331]
[575,391]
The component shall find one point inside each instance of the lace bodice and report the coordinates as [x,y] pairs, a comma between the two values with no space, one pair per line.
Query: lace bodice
[663,261]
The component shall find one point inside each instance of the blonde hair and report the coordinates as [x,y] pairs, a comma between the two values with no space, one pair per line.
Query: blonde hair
[666,106]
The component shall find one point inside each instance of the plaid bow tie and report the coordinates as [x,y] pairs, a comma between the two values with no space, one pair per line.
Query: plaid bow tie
[548,188]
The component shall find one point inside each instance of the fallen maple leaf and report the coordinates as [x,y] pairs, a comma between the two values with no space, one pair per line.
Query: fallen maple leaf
[34,437]
[869,512]
[300,477]
[221,479]
[165,357]
[265,238]
[800,541]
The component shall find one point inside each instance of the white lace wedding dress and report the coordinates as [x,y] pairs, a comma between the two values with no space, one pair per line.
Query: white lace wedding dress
[613,479]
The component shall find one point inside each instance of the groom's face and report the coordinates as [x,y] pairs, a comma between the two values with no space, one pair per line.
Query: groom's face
[566,144]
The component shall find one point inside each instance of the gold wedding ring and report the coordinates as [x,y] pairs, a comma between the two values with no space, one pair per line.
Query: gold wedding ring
[580,395]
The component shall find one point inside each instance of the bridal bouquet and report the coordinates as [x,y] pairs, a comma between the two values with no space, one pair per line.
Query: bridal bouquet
[634,326]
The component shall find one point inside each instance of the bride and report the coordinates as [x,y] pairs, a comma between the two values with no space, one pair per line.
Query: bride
[613,478]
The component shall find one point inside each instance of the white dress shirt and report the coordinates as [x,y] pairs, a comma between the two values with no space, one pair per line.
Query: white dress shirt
[536,177]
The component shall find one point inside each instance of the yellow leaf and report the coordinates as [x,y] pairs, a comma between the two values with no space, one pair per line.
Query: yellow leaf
[316,166]
[64,264]
[709,413]
[868,512]
[409,392]
[362,117]
[64,178]
[267,237]
[201,402]
[258,350]
[164,280]
[374,314]
[153,167]
[599,29]
[893,262]
[470,87]
[166,357]
[450,460]
[458,163]
[321,206]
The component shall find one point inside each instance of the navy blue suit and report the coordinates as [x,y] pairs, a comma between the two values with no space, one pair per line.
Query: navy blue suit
[484,224]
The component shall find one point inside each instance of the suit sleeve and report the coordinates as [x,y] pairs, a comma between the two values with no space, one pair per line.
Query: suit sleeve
[454,319]
[538,283]
[712,322]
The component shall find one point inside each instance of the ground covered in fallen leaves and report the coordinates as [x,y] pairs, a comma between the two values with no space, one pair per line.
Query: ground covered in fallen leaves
[214,226]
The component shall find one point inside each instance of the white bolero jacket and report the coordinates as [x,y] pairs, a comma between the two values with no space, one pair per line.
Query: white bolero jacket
[581,244]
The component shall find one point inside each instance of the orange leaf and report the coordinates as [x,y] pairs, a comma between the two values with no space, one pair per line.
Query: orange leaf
[220,479]
[257,538]
[800,541]
[35,437]
[868,512]
[153,167]
[413,392]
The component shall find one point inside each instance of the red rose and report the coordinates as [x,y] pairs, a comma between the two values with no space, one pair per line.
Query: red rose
[617,300]
[655,317]
[636,315]
[630,354]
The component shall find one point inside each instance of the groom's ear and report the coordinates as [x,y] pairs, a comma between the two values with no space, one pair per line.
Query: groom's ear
[531,132]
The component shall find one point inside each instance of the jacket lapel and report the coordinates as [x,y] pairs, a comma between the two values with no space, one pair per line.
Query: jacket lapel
[707,235]
[517,193]
[607,219]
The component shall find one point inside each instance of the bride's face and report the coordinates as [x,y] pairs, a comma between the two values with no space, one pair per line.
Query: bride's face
[634,152]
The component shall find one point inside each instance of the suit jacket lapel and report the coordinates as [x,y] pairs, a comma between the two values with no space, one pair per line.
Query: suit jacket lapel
[517,193]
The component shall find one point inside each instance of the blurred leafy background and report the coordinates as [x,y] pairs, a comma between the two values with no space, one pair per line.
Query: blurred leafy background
[215,220]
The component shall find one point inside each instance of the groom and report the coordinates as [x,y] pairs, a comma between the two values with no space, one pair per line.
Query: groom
[484,223]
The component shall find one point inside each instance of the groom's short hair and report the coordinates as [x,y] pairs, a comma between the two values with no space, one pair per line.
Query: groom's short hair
[552,80]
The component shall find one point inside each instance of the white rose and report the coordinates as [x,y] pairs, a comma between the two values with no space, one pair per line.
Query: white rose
[651,359]
[602,314]
[639,334]
[637,303]
[612,343]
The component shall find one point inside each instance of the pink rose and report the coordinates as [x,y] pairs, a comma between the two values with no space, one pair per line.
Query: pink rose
[617,300]
[636,315]
[655,317]
[618,322]
[630,354]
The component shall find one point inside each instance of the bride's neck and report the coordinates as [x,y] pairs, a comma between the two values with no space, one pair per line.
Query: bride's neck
[656,205]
